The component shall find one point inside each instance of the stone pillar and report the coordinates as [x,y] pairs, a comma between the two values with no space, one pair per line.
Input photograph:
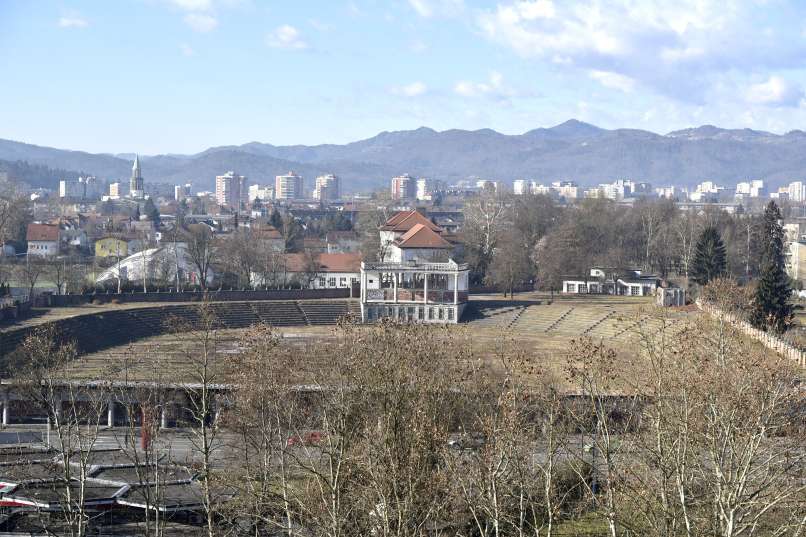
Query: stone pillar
[425,288]
[455,287]
[394,283]
[110,413]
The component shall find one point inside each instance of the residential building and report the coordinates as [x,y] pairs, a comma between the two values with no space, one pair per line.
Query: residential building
[136,183]
[43,240]
[230,190]
[82,188]
[111,247]
[522,186]
[428,189]
[416,279]
[328,188]
[260,192]
[404,187]
[751,189]
[566,189]
[797,191]
[288,187]
[115,191]
[71,189]
[182,192]
[796,260]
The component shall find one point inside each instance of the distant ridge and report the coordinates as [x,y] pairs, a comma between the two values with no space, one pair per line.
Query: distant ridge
[571,150]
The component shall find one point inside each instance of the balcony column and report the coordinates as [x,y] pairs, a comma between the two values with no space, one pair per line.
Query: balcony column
[455,288]
[425,288]
[394,284]
[6,409]
[110,413]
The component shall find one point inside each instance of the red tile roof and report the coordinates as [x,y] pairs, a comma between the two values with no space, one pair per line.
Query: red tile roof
[421,237]
[404,221]
[42,232]
[346,262]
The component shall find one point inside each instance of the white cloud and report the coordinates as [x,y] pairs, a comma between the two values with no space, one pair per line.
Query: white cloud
[415,89]
[775,92]
[186,49]
[201,22]
[437,8]
[193,5]
[613,80]
[287,37]
[680,49]
[494,88]
[73,22]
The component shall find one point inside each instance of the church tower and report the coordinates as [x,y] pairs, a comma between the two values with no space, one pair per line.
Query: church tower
[136,189]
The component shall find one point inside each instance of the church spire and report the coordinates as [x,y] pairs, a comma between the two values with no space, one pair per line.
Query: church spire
[136,166]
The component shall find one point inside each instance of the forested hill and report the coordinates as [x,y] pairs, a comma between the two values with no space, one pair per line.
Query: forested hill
[35,175]
[572,150]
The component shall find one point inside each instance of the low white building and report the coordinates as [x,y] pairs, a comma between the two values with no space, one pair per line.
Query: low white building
[44,240]
[608,281]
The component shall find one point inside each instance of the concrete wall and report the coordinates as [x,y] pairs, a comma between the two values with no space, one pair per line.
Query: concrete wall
[194,296]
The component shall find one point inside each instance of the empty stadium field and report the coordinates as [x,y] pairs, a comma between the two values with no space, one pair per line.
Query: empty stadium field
[541,331]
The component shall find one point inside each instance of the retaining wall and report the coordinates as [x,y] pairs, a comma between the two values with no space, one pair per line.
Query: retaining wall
[56,301]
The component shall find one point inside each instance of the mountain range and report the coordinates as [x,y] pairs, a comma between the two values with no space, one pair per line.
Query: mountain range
[573,150]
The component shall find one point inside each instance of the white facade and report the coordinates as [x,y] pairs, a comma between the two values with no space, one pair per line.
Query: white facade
[797,191]
[230,190]
[182,192]
[428,188]
[327,187]
[43,248]
[288,187]
[260,192]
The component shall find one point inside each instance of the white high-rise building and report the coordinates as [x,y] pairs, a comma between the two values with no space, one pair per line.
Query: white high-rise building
[182,192]
[404,187]
[521,187]
[428,188]
[288,187]
[230,190]
[797,191]
[328,187]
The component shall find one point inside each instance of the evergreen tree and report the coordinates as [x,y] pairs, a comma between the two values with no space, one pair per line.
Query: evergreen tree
[151,212]
[710,259]
[771,307]
[276,220]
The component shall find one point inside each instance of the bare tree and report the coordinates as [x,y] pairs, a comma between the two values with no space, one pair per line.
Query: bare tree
[202,251]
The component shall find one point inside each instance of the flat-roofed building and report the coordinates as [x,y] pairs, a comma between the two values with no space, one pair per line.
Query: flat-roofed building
[288,187]
[328,187]
[230,190]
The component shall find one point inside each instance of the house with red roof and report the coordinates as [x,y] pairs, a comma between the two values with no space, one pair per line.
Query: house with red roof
[43,239]
[415,279]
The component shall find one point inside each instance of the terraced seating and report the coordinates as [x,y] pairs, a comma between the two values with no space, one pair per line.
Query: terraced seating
[323,313]
[112,328]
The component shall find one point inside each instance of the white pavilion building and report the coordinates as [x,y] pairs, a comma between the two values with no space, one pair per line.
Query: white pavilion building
[415,279]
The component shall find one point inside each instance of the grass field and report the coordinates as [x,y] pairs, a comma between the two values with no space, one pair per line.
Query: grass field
[540,331]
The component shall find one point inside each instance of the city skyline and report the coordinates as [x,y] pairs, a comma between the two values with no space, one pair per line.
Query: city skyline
[178,76]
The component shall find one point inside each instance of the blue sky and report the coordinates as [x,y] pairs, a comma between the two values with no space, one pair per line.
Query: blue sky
[177,76]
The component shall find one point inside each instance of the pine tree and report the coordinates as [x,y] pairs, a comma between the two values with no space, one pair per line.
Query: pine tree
[710,258]
[276,220]
[771,307]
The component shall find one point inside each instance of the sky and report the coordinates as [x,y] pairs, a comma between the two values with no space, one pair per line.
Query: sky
[178,76]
